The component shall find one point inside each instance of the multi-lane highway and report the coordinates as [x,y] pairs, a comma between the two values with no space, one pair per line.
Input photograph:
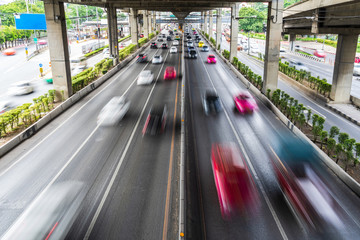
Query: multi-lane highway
[131,180]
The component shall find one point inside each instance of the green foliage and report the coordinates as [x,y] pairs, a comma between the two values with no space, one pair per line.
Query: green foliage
[71,14]
[334,131]
[288,3]
[142,41]
[251,20]
[212,40]
[151,35]
[7,10]
[226,54]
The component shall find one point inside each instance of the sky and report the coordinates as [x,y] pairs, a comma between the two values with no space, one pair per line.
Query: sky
[2,2]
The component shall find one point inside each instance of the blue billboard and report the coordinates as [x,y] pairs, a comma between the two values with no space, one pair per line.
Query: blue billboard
[30,21]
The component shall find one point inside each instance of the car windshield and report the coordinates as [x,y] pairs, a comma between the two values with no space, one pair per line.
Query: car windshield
[192,52]
[157,57]
[144,73]
[205,47]
[211,56]
[243,97]
[141,55]
[299,63]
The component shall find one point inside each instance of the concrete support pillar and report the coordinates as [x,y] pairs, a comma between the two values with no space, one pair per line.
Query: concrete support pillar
[133,26]
[58,48]
[146,24]
[343,68]
[272,47]
[234,30]
[158,24]
[113,33]
[292,39]
[211,24]
[202,23]
[206,20]
[218,27]
[153,22]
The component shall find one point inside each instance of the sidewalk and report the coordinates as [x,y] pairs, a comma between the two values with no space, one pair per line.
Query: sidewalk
[348,111]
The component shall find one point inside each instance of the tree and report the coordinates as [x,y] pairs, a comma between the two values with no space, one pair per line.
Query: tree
[357,153]
[334,131]
[338,151]
[19,6]
[343,137]
[331,143]
[251,20]
[323,136]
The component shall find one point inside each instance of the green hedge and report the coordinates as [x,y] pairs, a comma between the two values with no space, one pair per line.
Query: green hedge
[151,35]
[142,41]
[102,48]
[213,41]
[226,54]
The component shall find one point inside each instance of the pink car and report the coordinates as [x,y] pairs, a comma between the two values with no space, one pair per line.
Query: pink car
[319,53]
[170,73]
[234,184]
[211,59]
[244,103]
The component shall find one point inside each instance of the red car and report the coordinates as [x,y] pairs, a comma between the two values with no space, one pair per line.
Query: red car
[170,73]
[141,35]
[244,103]
[9,52]
[319,53]
[42,42]
[357,59]
[211,59]
[235,186]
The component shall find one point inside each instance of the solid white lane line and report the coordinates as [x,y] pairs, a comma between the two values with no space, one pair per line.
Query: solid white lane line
[29,151]
[271,208]
[112,180]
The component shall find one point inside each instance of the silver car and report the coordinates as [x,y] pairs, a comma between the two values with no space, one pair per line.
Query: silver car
[298,66]
[113,111]
[357,69]
[157,59]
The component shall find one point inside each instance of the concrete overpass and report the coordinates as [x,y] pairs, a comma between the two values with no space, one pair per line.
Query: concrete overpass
[340,17]
[148,10]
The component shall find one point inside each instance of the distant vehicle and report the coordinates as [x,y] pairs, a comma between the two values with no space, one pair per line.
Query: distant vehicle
[141,58]
[5,106]
[141,35]
[157,59]
[176,43]
[177,37]
[298,48]
[201,44]
[245,103]
[205,48]
[197,40]
[21,88]
[319,53]
[188,37]
[168,38]
[160,39]
[173,50]
[190,48]
[235,186]
[254,49]
[164,35]
[9,52]
[113,111]
[145,77]
[153,45]
[211,58]
[357,69]
[106,53]
[211,103]
[171,32]
[42,42]
[192,54]
[170,73]
[164,46]
[190,44]
[282,50]
[298,65]
[78,65]
[156,121]
[357,60]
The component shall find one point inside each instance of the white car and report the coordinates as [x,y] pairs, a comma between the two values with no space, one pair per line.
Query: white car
[106,53]
[176,43]
[357,69]
[173,50]
[5,106]
[145,77]
[190,44]
[157,59]
[254,49]
[113,111]
[21,88]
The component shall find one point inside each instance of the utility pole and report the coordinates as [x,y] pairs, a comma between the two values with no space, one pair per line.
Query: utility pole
[78,21]
[97,23]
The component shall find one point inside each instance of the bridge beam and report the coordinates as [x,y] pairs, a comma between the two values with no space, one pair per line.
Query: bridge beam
[272,47]
[58,48]
[113,35]
[218,27]
[234,28]
[343,68]
[133,26]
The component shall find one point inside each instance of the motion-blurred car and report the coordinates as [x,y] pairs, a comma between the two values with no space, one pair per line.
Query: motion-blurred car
[188,37]
[106,53]
[235,186]
[42,42]
[190,48]
[304,186]
[168,38]
[357,60]
[160,39]
[164,46]
[298,66]
[190,44]
[21,88]
[205,48]
[5,106]
[245,103]
[176,43]
[201,44]
[9,52]
[157,59]
[357,69]
[211,59]
[298,48]
[191,54]
[141,35]
[254,49]
[141,58]
[319,53]
[156,121]
[170,73]
[153,45]
[211,103]
[173,50]
[113,111]
[145,77]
